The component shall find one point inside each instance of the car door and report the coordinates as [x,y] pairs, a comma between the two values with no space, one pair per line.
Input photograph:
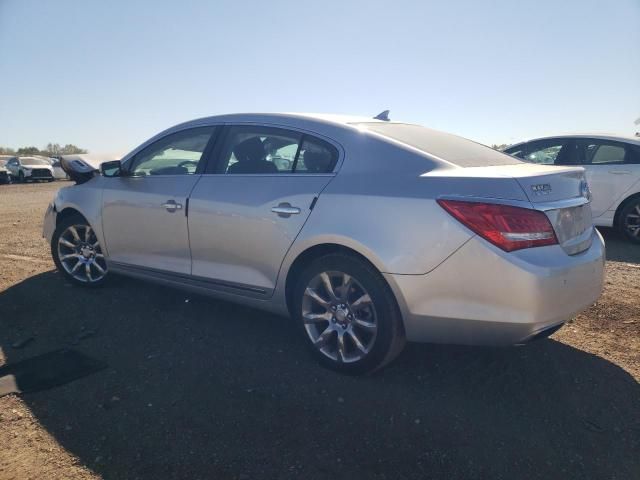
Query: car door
[611,170]
[144,209]
[248,208]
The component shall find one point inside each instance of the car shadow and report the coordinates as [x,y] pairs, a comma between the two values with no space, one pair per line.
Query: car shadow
[619,249]
[199,388]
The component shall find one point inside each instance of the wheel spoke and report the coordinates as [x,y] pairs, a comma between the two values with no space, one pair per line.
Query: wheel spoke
[74,232]
[99,268]
[342,348]
[87,271]
[361,302]
[71,255]
[324,337]
[311,293]
[76,266]
[326,281]
[87,233]
[99,255]
[368,326]
[356,341]
[66,243]
[346,286]
[316,317]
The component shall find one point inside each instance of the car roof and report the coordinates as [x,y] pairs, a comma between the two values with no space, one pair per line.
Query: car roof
[323,118]
[598,136]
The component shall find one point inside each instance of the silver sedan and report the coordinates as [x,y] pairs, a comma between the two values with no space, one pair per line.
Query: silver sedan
[367,232]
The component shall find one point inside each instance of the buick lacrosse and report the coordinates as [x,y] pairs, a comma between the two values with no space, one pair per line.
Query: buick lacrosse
[367,232]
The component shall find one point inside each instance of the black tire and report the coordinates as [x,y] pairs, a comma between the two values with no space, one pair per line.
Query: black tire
[21,178]
[389,339]
[78,221]
[630,218]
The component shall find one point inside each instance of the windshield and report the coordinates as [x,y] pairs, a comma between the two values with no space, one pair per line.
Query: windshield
[33,161]
[454,149]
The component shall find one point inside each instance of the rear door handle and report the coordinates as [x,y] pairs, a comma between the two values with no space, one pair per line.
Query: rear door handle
[172,206]
[620,172]
[285,210]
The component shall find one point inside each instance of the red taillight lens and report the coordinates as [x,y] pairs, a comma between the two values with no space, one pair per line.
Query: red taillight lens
[510,228]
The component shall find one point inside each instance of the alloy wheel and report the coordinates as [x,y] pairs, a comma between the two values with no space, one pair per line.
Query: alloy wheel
[632,222]
[80,254]
[339,317]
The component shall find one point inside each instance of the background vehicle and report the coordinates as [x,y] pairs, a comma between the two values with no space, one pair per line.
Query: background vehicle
[369,234]
[612,166]
[26,169]
[4,173]
[58,171]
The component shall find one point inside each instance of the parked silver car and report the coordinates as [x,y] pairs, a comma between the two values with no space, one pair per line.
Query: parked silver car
[367,232]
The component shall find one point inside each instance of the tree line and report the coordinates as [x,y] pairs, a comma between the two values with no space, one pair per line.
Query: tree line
[51,150]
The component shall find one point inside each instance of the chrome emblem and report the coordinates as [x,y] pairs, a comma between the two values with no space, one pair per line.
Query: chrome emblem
[541,189]
[585,191]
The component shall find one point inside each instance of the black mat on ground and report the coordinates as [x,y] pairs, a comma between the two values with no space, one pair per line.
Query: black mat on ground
[47,371]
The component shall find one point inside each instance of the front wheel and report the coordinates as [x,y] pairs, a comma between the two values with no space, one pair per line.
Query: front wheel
[348,314]
[77,252]
[629,223]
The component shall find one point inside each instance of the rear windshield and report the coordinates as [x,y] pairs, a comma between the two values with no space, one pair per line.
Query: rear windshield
[454,149]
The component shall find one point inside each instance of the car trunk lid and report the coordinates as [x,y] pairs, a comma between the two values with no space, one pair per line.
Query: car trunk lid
[560,192]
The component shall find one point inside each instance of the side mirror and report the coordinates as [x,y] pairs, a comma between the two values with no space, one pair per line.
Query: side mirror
[111,169]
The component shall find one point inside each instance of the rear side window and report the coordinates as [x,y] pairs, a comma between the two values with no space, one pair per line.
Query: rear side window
[267,150]
[603,152]
[454,149]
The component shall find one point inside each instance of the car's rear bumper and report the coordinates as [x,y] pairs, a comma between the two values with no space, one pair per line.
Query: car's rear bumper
[481,295]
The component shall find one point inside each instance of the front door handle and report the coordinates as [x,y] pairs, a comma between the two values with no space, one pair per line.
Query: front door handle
[172,206]
[285,210]
[620,172]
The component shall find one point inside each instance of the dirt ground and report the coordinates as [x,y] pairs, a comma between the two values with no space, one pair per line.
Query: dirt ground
[197,388]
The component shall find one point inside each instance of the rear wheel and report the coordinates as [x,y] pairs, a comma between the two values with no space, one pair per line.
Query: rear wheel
[348,314]
[77,252]
[629,223]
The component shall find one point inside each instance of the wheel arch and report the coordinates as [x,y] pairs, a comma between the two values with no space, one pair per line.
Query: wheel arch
[309,254]
[68,212]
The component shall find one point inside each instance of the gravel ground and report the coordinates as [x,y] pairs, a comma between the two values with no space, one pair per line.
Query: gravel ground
[198,388]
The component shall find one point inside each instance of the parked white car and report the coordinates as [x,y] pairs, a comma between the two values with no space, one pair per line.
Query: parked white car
[612,166]
[28,169]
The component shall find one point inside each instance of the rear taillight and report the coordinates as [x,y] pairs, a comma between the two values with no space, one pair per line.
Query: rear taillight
[507,227]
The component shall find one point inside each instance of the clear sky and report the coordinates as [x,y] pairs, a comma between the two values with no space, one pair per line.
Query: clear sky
[106,75]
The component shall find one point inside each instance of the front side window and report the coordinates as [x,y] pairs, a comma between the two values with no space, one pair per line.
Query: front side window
[268,150]
[179,153]
[603,153]
[551,152]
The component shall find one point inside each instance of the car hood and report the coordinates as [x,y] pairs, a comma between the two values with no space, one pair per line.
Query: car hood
[31,165]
